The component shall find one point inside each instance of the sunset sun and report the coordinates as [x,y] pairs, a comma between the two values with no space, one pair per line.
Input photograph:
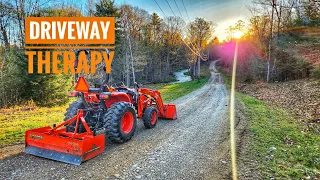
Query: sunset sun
[238,34]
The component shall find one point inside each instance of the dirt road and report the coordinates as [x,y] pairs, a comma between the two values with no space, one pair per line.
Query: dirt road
[195,146]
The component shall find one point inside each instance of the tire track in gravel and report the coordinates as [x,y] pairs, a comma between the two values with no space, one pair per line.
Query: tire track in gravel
[190,147]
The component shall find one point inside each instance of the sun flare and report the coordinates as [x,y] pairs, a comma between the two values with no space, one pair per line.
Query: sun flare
[238,34]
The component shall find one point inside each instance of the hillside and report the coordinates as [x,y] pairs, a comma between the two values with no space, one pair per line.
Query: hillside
[284,117]
[309,44]
[300,97]
[304,42]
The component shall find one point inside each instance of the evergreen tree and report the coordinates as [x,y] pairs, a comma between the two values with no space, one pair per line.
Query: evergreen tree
[107,8]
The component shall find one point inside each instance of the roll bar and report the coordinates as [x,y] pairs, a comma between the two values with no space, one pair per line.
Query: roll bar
[87,51]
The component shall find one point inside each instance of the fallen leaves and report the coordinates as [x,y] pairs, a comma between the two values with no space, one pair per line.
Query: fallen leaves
[300,97]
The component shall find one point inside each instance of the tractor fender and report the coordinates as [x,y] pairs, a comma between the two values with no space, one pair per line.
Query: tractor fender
[118,97]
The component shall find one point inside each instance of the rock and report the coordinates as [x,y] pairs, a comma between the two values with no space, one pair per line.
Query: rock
[269,157]
[224,162]
[272,149]
[117,175]
[138,177]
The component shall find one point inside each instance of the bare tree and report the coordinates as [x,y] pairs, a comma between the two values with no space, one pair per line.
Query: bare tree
[200,31]
[6,15]
[173,29]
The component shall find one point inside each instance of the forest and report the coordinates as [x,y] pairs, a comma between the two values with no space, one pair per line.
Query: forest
[280,43]
[150,48]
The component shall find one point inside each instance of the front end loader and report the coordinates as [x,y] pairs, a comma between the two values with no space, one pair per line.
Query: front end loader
[101,112]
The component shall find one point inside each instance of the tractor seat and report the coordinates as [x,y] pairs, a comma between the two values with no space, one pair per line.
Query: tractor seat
[94,90]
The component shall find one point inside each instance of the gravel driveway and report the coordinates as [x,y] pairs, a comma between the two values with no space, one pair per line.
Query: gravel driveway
[195,146]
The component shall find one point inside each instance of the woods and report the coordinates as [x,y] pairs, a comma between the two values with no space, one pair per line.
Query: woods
[270,49]
[275,45]
[267,127]
[148,49]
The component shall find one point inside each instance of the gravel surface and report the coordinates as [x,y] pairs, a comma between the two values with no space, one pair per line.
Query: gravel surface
[195,146]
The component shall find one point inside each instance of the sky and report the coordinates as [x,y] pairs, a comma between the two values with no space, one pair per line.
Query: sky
[222,12]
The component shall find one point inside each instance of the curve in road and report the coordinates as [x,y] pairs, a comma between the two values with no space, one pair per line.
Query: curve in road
[192,147]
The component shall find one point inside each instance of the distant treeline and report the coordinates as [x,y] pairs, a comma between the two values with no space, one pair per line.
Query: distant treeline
[151,47]
[281,42]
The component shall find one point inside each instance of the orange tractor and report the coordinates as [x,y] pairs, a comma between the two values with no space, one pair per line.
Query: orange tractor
[100,112]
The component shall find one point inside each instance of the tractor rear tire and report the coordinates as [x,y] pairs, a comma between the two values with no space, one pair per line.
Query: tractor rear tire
[72,111]
[150,117]
[120,122]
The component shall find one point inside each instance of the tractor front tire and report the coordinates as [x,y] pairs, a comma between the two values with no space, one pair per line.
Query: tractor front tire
[150,117]
[72,111]
[120,122]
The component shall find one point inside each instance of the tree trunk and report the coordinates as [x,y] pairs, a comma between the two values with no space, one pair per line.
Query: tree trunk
[270,41]
[127,70]
[195,69]
[152,69]
[199,63]
[20,17]
[160,68]
[168,66]
[5,37]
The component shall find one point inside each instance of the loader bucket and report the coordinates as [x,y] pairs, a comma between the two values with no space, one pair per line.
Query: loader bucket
[59,145]
[170,111]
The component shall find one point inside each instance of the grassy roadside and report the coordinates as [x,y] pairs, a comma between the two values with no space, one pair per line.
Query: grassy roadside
[15,121]
[170,92]
[280,145]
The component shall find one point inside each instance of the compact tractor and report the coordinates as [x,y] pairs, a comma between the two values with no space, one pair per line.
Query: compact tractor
[100,113]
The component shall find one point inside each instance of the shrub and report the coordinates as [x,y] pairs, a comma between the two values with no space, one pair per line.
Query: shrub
[18,87]
[316,73]
[187,73]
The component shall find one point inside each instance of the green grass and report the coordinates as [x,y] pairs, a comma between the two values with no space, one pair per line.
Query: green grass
[316,73]
[292,39]
[297,154]
[170,92]
[187,73]
[15,121]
